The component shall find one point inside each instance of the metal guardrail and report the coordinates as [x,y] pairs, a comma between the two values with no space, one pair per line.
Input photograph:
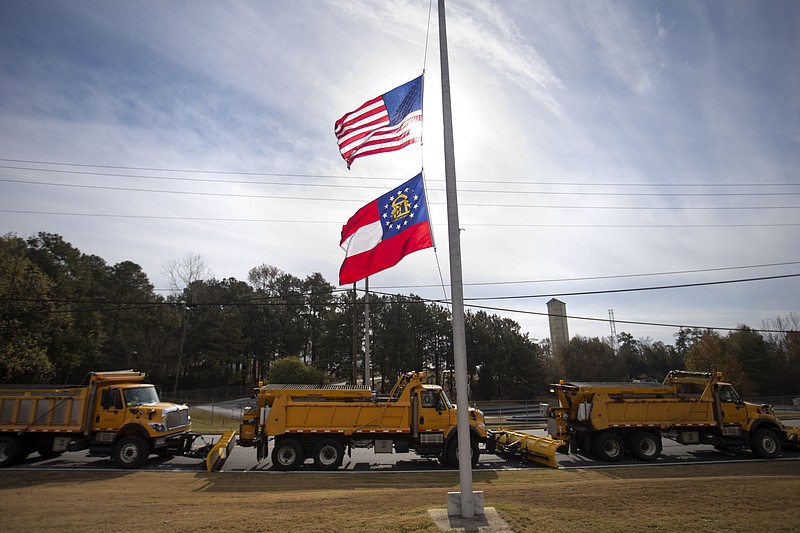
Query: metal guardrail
[513,415]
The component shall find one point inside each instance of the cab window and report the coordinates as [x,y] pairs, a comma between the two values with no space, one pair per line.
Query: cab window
[428,399]
[728,395]
[111,399]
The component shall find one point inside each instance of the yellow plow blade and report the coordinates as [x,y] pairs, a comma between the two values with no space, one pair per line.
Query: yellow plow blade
[220,452]
[539,449]
[793,434]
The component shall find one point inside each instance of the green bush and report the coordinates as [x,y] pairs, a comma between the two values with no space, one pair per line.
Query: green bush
[293,370]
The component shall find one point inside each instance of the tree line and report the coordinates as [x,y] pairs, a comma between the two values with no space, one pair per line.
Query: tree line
[65,313]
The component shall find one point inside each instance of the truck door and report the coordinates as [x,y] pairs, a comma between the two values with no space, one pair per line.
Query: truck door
[109,413]
[434,416]
[733,410]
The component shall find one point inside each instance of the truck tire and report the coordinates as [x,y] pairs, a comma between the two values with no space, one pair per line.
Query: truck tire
[645,445]
[10,450]
[287,455]
[452,451]
[765,443]
[328,454]
[608,446]
[130,452]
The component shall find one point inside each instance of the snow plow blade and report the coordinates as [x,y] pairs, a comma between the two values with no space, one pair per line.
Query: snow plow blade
[530,447]
[220,452]
[792,436]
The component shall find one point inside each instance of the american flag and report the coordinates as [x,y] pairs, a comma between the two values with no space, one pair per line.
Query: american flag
[384,124]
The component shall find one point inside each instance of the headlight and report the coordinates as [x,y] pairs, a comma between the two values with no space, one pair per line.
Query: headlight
[158,427]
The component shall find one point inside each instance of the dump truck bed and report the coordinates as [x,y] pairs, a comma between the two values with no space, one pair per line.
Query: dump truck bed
[42,408]
[664,413]
[304,416]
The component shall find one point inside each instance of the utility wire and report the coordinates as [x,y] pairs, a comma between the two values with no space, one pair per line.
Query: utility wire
[595,278]
[268,299]
[482,191]
[463,224]
[636,289]
[331,176]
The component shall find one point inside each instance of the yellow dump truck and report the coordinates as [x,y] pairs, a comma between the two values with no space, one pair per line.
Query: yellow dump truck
[110,413]
[609,419]
[322,423]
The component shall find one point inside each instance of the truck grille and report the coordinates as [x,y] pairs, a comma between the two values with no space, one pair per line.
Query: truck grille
[177,418]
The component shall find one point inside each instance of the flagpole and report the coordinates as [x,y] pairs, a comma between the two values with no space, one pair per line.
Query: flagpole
[355,340]
[366,332]
[456,285]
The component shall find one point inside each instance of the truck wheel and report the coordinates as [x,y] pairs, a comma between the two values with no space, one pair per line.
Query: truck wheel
[765,444]
[130,452]
[645,446]
[609,446]
[452,452]
[328,454]
[9,450]
[287,455]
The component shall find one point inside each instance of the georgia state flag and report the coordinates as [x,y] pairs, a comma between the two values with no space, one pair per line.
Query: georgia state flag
[384,231]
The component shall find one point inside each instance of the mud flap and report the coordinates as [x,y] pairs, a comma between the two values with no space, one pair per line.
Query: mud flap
[220,451]
[539,449]
[261,448]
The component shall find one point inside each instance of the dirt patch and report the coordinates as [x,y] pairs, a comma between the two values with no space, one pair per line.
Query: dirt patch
[734,497]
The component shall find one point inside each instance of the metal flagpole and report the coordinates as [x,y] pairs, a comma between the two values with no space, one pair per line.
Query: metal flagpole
[366,333]
[355,340]
[456,283]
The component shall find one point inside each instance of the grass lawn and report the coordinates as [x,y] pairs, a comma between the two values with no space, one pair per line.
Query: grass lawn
[746,497]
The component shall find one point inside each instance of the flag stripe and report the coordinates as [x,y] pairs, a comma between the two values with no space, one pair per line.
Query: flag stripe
[365,238]
[364,126]
[366,215]
[356,118]
[386,140]
[386,254]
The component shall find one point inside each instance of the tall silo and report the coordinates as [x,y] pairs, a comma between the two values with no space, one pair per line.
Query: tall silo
[559,334]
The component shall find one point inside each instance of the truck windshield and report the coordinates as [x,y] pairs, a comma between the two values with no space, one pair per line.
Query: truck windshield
[140,396]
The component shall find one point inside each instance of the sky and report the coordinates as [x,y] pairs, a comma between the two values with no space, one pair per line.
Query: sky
[607,154]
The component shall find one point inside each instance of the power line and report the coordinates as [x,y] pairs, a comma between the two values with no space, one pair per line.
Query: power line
[538,193]
[635,289]
[120,306]
[332,176]
[630,322]
[595,278]
[463,224]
